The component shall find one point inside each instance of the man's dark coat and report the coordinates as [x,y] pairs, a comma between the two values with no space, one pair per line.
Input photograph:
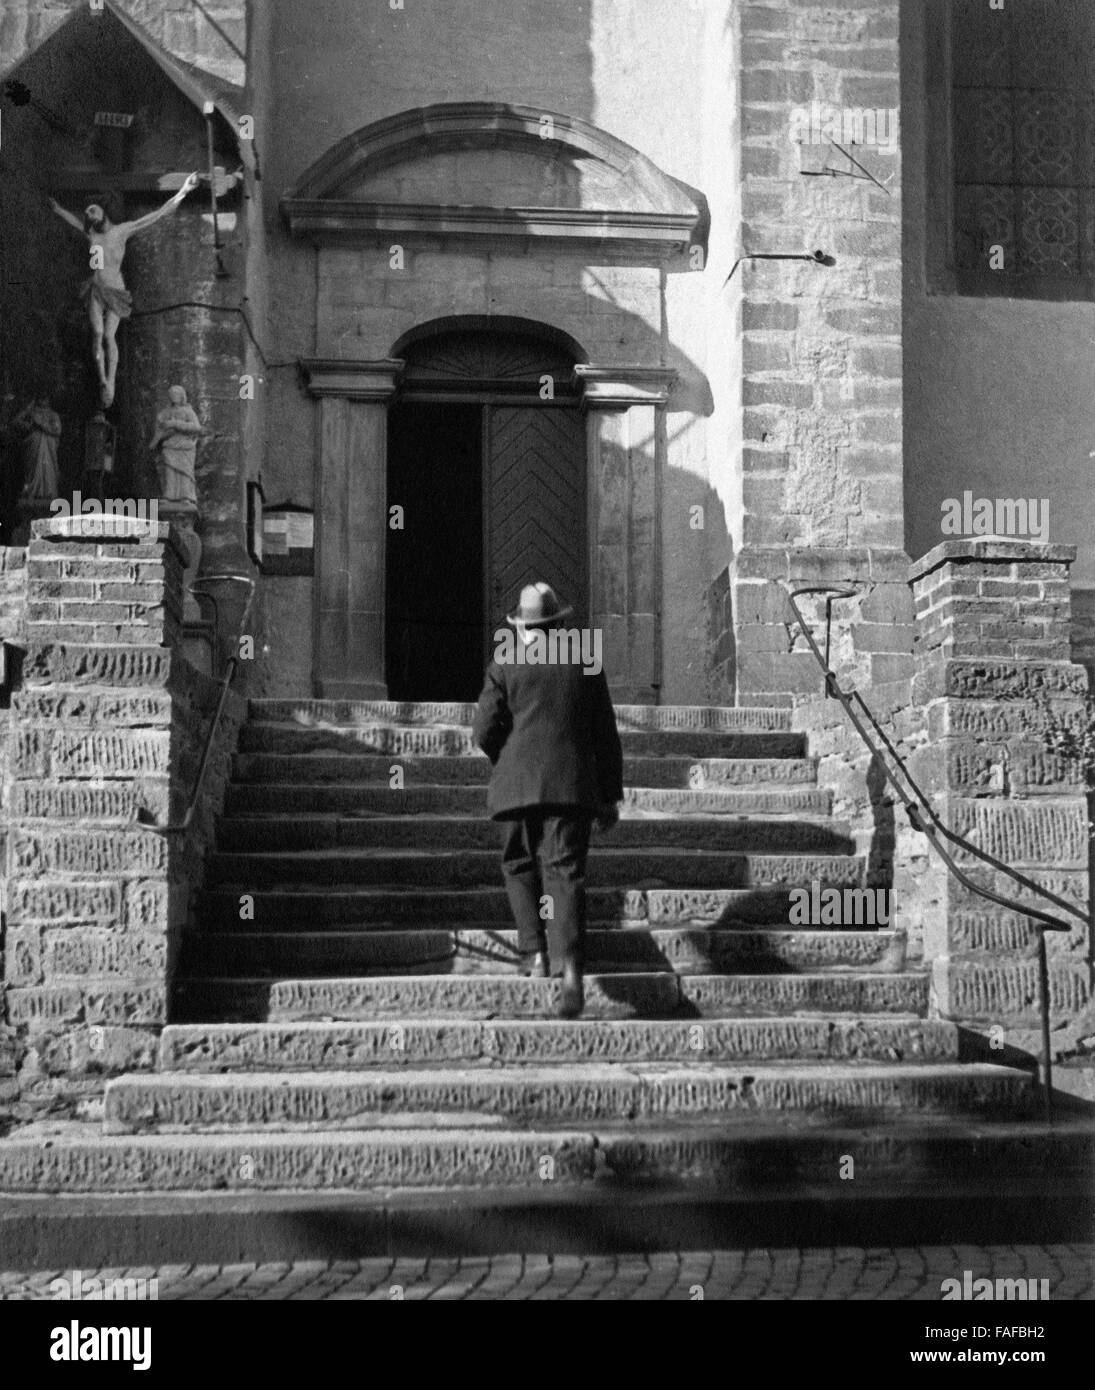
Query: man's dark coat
[550,732]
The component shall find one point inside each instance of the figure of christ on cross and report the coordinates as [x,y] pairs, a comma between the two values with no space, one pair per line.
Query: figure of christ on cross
[108,300]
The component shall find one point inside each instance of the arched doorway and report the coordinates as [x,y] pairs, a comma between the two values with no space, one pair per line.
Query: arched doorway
[487,459]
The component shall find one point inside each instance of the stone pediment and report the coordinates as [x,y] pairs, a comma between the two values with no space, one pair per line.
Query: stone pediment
[483,170]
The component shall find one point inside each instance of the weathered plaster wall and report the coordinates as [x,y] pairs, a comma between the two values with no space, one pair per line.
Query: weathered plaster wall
[998,392]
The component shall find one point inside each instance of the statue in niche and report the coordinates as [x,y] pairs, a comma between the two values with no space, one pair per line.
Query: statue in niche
[108,301]
[40,426]
[175,441]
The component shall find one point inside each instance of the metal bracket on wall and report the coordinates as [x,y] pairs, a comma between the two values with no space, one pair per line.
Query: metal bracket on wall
[816,257]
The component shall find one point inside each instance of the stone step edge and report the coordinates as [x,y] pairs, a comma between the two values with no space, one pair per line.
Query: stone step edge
[591,977]
[882,1153]
[655,1074]
[694,820]
[657,1091]
[192,1047]
[600,851]
[634,930]
[739,790]
[809,765]
[456,713]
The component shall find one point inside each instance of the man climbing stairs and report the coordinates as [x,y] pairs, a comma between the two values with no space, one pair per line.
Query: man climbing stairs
[349,1016]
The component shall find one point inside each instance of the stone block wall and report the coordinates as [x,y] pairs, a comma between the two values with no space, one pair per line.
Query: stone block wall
[104,735]
[821,428]
[13,602]
[994,665]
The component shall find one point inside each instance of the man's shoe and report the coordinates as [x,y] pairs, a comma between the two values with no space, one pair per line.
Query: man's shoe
[534,963]
[572,997]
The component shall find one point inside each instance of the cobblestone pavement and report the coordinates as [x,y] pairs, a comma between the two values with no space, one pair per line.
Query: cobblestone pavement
[830,1273]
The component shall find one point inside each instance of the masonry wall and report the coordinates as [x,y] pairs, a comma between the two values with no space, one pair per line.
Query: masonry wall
[820,481]
[103,739]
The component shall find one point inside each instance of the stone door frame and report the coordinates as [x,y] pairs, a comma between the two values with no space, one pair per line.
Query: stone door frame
[623,459]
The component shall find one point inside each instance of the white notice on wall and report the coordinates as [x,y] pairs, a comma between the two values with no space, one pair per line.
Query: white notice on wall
[300,530]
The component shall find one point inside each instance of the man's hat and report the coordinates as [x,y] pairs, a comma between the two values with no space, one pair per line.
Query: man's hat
[539,604]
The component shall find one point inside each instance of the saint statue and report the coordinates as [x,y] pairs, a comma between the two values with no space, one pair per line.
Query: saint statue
[108,301]
[41,426]
[176,440]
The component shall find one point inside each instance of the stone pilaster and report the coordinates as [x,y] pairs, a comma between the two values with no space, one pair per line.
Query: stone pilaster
[820,344]
[94,902]
[351,524]
[623,405]
[993,622]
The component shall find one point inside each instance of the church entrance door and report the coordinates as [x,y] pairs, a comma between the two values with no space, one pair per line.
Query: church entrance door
[488,464]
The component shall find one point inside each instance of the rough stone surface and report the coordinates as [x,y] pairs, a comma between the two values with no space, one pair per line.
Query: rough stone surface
[993,780]
[103,722]
[273,1162]
[346,1046]
[539,1095]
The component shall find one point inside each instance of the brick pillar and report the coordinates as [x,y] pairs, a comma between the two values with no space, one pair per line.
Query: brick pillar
[94,902]
[820,347]
[993,623]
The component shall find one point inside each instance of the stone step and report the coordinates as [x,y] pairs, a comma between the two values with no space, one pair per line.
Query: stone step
[229,1047]
[922,1156]
[483,951]
[753,1155]
[305,1162]
[628,995]
[455,833]
[494,1096]
[683,868]
[439,741]
[670,773]
[424,714]
[378,799]
[361,908]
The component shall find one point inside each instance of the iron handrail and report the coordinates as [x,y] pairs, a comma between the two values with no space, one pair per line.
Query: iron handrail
[230,668]
[930,824]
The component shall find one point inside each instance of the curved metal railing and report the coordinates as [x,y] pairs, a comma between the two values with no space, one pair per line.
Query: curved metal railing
[230,668]
[923,817]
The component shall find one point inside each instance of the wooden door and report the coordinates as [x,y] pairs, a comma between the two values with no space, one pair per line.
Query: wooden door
[535,506]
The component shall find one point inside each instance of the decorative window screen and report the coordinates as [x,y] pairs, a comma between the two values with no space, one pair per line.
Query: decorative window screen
[1023,144]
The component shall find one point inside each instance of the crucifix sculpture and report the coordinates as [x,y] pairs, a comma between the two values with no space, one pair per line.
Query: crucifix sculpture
[108,301]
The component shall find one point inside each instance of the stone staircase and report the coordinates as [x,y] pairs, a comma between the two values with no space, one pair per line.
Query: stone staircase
[350,1019]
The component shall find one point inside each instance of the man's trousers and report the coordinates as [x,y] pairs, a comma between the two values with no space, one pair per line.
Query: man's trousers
[544,865]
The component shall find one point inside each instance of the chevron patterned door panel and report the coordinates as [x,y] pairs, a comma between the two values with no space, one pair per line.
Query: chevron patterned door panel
[535,505]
